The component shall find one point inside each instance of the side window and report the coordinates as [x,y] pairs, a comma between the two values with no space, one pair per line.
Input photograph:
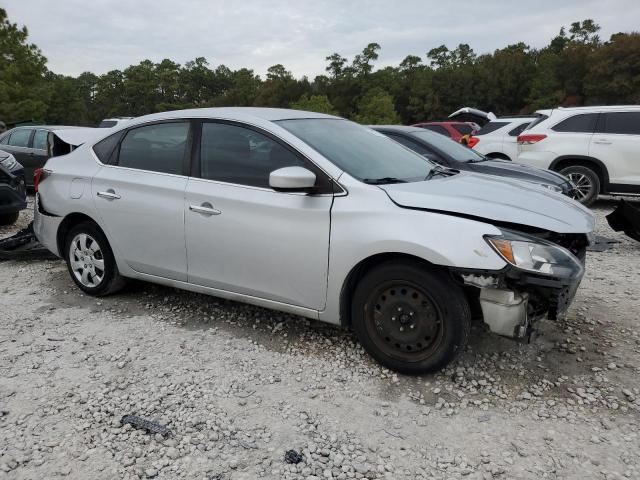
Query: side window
[40,139]
[234,154]
[415,146]
[627,123]
[582,123]
[20,138]
[106,150]
[518,130]
[438,129]
[157,148]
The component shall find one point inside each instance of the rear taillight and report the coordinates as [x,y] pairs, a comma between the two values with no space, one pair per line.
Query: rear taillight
[39,176]
[472,142]
[530,139]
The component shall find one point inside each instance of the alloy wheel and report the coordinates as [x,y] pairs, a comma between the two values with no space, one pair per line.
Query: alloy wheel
[584,186]
[86,260]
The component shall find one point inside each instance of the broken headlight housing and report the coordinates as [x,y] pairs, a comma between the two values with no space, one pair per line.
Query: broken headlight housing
[7,161]
[535,255]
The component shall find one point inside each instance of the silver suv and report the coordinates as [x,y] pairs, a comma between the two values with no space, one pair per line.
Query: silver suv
[317,216]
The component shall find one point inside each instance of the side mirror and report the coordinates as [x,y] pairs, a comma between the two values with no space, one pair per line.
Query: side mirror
[292,179]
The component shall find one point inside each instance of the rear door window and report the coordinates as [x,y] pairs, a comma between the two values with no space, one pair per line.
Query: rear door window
[159,148]
[490,127]
[581,123]
[40,139]
[20,138]
[625,123]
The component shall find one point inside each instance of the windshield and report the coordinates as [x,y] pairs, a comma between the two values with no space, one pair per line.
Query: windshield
[452,149]
[363,153]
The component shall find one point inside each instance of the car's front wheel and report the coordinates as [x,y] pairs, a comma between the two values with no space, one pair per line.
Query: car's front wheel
[586,181]
[90,260]
[410,318]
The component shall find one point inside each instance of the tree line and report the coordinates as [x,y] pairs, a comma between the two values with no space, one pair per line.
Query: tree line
[576,68]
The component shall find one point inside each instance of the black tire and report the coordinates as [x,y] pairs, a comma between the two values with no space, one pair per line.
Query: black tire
[586,180]
[9,218]
[110,281]
[433,323]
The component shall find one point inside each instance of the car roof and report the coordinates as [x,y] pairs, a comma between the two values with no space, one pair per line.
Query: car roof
[234,113]
[46,127]
[595,108]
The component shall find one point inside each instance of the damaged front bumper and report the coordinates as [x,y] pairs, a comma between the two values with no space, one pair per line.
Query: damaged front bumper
[512,300]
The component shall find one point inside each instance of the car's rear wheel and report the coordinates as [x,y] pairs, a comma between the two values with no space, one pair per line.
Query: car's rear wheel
[586,181]
[9,218]
[90,260]
[409,318]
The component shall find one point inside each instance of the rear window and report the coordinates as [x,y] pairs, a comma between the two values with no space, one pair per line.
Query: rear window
[491,127]
[582,123]
[107,124]
[518,130]
[437,128]
[621,122]
[463,129]
[538,120]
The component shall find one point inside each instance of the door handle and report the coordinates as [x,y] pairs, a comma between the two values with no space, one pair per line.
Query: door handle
[205,209]
[109,195]
[602,142]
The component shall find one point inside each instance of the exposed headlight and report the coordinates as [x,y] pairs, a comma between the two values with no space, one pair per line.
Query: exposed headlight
[535,255]
[8,162]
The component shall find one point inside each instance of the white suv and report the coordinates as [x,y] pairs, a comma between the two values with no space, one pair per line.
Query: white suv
[497,139]
[596,147]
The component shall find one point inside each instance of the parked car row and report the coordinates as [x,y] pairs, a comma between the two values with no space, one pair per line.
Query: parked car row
[321,217]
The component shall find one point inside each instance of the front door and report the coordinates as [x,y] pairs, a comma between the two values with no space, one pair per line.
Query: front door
[243,236]
[141,198]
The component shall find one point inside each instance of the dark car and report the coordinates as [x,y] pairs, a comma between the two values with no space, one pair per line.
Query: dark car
[30,146]
[453,155]
[13,194]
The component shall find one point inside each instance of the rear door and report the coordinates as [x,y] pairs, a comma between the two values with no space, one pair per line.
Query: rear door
[39,148]
[243,236]
[139,195]
[510,139]
[617,144]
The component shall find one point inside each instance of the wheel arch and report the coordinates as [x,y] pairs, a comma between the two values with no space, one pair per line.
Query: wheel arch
[361,269]
[585,161]
[70,221]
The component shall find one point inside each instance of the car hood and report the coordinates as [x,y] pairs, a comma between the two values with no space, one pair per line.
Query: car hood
[494,199]
[521,172]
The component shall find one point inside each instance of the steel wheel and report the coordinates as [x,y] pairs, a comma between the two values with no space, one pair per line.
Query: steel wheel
[86,260]
[404,321]
[584,186]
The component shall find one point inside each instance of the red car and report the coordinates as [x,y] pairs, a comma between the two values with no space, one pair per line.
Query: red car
[453,130]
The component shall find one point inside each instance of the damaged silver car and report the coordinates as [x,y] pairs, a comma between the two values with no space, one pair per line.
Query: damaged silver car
[317,216]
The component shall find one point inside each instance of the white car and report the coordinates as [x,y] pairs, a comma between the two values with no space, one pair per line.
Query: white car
[596,147]
[498,138]
[317,216]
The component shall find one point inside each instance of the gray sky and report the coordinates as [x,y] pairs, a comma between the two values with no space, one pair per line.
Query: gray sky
[101,35]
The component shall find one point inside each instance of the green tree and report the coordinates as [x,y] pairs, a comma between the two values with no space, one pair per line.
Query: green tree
[23,89]
[314,103]
[376,107]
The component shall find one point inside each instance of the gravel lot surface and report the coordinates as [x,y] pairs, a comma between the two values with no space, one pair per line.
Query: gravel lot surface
[238,386]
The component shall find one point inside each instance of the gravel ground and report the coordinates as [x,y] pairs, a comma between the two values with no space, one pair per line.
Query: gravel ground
[238,386]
